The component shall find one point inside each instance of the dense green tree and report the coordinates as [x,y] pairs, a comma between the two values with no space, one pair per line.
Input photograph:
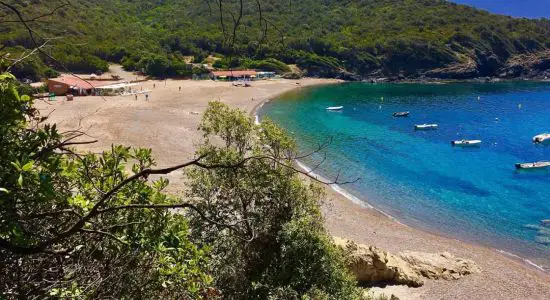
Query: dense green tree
[283,244]
[86,225]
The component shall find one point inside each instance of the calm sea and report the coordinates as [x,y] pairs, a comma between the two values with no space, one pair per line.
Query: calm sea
[474,194]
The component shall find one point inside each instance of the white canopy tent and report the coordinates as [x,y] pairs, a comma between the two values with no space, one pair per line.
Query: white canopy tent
[117,88]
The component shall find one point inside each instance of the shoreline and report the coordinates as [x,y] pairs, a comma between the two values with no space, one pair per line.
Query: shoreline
[367,205]
[338,196]
[167,124]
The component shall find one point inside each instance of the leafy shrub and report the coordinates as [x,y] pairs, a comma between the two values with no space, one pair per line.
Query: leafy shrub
[69,226]
[270,64]
[282,250]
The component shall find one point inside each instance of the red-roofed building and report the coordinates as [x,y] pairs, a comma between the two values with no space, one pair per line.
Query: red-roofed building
[234,75]
[69,84]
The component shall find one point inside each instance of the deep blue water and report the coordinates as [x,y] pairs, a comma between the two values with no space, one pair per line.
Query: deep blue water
[515,8]
[417,176]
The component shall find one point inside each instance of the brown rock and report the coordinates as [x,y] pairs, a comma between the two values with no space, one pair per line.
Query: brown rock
[371,265]
[374,265]
[439,265]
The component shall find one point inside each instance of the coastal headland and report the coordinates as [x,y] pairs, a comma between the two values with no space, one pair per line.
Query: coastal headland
[167,122]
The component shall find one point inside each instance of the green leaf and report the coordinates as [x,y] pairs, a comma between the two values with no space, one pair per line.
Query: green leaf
[28,166]
[16,165]
[20,180]
[4,190]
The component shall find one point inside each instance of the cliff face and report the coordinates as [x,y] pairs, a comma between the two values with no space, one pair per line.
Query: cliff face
[531,65]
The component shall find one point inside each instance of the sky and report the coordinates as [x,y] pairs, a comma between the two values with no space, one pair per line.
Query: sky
[515,8]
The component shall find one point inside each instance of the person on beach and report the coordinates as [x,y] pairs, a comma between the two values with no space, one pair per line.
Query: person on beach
[180,88]
[136,97]
[154,85]
[146,97]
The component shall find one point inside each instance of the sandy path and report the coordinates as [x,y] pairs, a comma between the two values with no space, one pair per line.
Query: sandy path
[167,123]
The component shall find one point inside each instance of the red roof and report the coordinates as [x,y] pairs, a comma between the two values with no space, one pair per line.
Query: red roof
[76,82]
[239,73]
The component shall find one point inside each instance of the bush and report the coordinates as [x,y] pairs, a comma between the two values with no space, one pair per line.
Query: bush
[282,250]
[51,73]
[270,64]
[63,236]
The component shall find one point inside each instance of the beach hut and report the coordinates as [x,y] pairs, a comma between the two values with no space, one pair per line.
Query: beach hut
[69,84]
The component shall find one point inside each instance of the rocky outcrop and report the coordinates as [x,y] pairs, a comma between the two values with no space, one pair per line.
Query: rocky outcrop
[462,70]
[439,266]
[480,64]
[372,265]
[530,65]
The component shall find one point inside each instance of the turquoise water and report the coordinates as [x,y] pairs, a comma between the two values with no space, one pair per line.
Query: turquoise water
[417,176]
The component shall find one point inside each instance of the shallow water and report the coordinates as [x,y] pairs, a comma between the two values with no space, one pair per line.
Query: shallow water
[417,176]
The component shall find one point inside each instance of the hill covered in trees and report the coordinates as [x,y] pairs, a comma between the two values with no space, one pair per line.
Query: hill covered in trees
[368,38]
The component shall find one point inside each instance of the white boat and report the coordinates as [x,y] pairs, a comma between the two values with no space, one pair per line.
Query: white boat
[466,143]
[541,138]
[535,165]
[425,126]
[335,108]
[401,114]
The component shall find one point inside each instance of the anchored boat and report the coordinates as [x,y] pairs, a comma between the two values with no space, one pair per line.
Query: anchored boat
[466,143]
[541,138]
[401,114]
[535,165]
[426,126]
[335,108]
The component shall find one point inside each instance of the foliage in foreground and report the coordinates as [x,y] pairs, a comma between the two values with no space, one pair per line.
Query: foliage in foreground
[283,251]
[47,191]
[95,226]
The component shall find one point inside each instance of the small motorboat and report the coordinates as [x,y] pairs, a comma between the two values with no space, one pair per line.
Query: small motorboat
[535,165]
[401,114]
[335,108]
[466,143]
[542,138]
[425,127]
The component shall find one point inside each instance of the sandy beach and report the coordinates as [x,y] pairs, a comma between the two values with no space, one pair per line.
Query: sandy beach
[167,123]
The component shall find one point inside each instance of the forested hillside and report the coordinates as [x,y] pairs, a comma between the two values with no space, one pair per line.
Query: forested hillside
[371,38]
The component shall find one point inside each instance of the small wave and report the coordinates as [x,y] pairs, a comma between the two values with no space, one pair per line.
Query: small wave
[338,189]
[532,264]
[365,204]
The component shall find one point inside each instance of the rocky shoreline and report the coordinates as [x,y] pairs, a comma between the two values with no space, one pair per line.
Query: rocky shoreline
[477,68]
